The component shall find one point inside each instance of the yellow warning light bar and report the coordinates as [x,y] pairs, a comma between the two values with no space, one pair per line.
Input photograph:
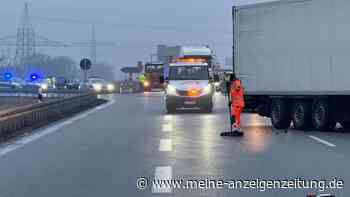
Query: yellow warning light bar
[191,60]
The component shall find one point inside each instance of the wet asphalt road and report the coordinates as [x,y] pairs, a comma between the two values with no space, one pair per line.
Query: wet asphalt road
[104,151]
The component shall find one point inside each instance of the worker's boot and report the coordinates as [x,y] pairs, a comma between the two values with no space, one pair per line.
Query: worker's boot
[236,130]
[235,127]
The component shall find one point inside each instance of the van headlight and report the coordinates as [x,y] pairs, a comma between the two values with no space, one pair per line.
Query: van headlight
[110,87]
[171,90]
[97,87]
[207,89]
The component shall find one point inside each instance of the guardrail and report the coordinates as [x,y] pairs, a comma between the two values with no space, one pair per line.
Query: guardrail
[54,93]
[16,119]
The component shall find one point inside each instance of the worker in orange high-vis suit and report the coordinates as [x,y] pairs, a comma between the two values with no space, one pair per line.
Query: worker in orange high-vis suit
[237,102]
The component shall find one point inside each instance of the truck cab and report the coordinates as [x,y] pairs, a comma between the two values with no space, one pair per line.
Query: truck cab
[188,85]
[153,72]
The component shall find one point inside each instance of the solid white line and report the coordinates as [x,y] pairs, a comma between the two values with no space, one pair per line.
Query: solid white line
[322,141]
[167,128]
[162,173]
[41,133]
[165,145]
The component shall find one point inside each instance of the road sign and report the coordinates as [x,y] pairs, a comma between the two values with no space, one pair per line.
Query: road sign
[85,64]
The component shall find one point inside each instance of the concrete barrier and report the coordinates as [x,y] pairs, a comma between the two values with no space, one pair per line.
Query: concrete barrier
[14,120]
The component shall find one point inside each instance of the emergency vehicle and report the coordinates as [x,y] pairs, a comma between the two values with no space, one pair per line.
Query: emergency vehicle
[189,85]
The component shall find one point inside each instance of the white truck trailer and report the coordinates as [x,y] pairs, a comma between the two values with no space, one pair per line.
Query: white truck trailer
[293,57]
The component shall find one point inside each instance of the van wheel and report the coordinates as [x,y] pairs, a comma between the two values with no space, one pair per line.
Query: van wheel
[207,109]
[301,115]
[321,116]
[280,116]
[170,109]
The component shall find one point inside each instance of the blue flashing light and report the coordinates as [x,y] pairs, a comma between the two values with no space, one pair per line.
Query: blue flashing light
[8,76]
[34,77]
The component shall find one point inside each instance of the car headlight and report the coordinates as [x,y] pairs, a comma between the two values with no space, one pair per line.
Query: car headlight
[97,87]
[44,86]
[146,84]
[171,90]
[110,87]
[207,89]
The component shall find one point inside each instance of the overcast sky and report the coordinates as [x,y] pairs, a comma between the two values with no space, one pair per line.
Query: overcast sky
[136,26]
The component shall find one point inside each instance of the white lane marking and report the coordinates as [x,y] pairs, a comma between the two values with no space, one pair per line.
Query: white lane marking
[168,117]
[41,133]
[322,141]
[162,173]
[165,145]
[167,127]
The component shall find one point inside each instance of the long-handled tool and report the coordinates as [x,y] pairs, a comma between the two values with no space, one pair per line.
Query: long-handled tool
[232,132]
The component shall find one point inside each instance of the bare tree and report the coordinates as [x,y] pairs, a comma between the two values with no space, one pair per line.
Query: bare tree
[61,66]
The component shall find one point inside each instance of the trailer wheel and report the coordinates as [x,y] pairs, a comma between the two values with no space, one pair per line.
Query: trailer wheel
[321,116]
[280,116]
[301,115]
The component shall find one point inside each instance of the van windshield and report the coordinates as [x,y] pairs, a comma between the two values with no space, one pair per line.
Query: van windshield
[188,73]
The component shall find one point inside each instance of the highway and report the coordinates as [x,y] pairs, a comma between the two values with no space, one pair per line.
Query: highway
[104,151]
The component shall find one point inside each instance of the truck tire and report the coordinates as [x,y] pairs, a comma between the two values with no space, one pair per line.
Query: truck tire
[321,116]
[280,114]
[301,115]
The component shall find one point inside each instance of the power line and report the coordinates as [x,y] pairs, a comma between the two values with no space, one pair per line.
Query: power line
[26,39]
[166,28]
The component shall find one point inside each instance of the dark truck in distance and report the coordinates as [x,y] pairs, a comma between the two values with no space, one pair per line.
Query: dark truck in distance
[293,59]
[153,73]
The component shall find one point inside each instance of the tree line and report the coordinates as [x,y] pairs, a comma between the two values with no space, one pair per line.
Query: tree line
[58,66]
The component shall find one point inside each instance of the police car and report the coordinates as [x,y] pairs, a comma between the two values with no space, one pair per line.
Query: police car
[188,86]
